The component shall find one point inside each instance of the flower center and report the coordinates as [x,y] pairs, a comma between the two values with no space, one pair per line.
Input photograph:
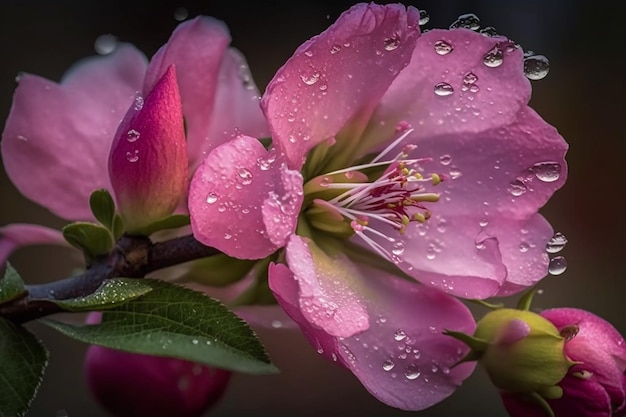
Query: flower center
[362,198]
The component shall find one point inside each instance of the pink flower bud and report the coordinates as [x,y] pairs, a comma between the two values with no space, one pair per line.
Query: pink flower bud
[148,158]
[595,386]
[135,385]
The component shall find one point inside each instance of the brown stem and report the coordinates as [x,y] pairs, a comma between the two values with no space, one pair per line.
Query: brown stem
[133,257]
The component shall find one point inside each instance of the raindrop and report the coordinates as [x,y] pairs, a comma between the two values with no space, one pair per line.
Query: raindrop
[245,176]
[494,58]
[470,78]
[466,21]
[489,31]
[556,243]
[536,67]
[547,171]
[445,159]
[227,236]
[310,79]
[443,89]
[523,247]
[517,188]
[557,265]
[399,335]
[105,44]
[132,135]
[277,324]
[181,14]
[483,223]
[392,42]
[335,49]
[443,48]
[398,248]
[424,17]
[132,156]
[455,173]
[569,332]
[195,341]
[412,372]
[211,198]
[388,365]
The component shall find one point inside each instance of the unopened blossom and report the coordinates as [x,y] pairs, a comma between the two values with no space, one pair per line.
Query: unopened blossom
[135,385]
[395,153]
[595,385]
[148,157]
[56,140]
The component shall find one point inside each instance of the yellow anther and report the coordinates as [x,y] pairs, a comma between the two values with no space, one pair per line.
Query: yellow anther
[419,217]
[436,179]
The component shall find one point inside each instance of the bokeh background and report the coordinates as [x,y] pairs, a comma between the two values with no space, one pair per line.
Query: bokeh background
[583,96]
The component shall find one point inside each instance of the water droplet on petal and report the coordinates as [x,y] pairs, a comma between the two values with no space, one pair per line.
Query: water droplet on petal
[445,159]
[466,21]
[132,156]
[132,135]
[470,78]
[412,372]
[547,171]
[443,89]
[392,42]
[523,247]
[424,17]
[398,248]
[489,31]
[399,335]
[335,48]
[536,67]
[556,243]
[211,198]
[245,176]
[105,44]
[311,78]
[517,188]
[388,365]
[443,48]
[557,265]
[494,58]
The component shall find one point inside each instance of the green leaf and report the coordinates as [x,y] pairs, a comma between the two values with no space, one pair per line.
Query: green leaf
[92,238]
[103,207]
[111,293]
[177,322]
[171,222]
[24,360]
[11,286]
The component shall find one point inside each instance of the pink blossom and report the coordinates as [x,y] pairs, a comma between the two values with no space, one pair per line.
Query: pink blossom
[394,153]
[148,158]
[56,140]
[595,386]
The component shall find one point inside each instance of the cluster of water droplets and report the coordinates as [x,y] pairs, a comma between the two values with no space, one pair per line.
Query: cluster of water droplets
[545,171]
[558,264]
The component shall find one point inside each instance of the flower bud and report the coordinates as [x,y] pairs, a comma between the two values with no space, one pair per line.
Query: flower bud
[595,385]
[148,158]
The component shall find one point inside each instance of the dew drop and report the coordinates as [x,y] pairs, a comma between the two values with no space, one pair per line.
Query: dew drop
[536,67]
[483,223]
[556,243]
[455,173]
[310,79]
[195,341]
[445,159]
[443,89]
[335,48]
[443,48]
[138,101]
[398,248]
[466,21]
[557,265]
[547,171]
[517,188]
[523,247]
[392,42]
[227,236]
[399,335]
[245,176]
[132,156]
[388,365]
[489,31]
[470,78]
[211,198]
[105,44]
[412,372]
[181,14]
[494,58]
[277,324]
[132,135]
[424,17]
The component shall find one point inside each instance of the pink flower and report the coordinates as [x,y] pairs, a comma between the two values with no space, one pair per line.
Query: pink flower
[148,158]
[135,385]
[595,386]
[57,138]
[395,153]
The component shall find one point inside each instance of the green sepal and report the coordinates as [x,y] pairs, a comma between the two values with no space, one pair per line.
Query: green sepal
[491,306]
[526,300]
[475,344]
[551,393]
[541,402]
[174,321]
[218,270]
[93,239]
[11,285]
[171,222]
[112,293]
[103,207]
[24,361]
[118,227]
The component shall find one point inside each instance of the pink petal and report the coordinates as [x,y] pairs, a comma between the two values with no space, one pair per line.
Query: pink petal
[218,95]
[338,76]
[243,201]
[148,158]
[17,235]
[483,97]
[401,357]
[56,139]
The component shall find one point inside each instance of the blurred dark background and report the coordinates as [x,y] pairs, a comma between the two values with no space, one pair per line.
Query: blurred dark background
[583,96]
